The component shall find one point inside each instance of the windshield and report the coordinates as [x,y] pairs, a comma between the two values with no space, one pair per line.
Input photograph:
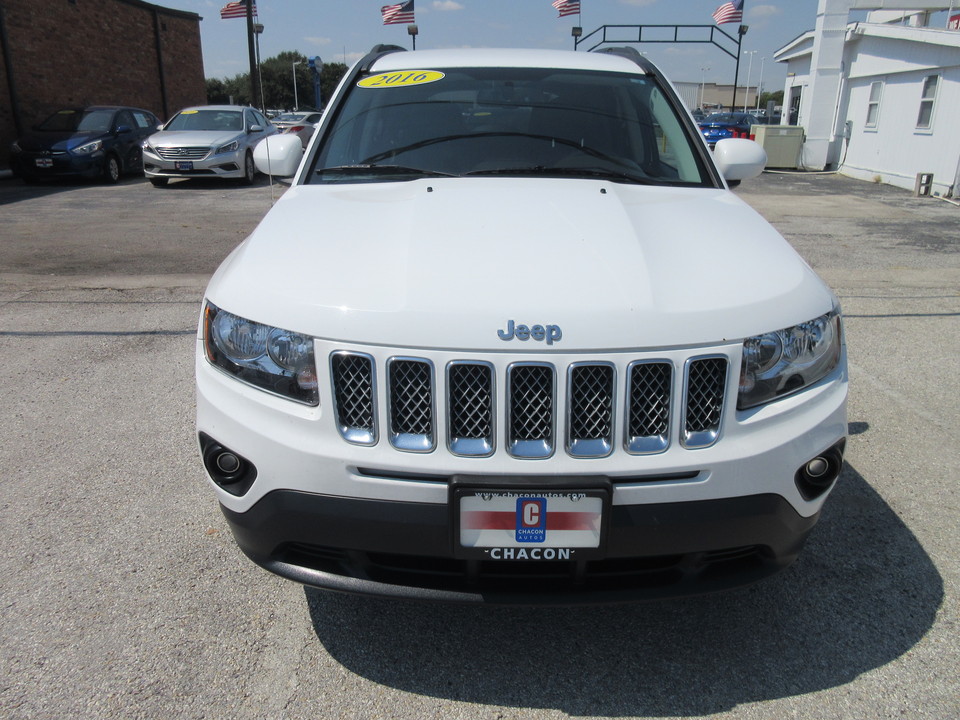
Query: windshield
[78,121]
[518,121]
[222,120]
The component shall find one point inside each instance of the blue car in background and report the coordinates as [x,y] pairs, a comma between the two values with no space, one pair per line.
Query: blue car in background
[720,126]
[98,142]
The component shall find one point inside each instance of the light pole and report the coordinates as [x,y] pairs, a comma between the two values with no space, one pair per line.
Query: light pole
[702,83]
[746,95]
[760,82]
[296,101]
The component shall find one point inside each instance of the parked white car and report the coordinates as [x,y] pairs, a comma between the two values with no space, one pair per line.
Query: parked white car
[211,141]
[509,337]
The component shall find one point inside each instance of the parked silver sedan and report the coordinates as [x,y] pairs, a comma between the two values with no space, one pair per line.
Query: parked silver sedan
[301,124]
[212,141]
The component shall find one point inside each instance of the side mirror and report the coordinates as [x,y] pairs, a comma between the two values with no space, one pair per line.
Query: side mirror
[121,129]
[255,128]
[738,159]
[278,155]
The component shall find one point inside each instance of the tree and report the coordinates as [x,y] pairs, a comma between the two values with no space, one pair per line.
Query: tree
[776,97]
[277,78]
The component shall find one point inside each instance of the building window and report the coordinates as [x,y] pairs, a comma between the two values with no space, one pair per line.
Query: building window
[927,99]
[873,105]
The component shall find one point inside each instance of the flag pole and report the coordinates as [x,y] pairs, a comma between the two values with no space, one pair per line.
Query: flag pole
[252,55]
[736,72]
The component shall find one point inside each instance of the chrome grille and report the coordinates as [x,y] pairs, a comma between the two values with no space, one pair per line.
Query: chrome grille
[411,404]
[706,379]
[589,422]
[183,153]
[354,397]
[590,410]
[648,406]
[470,401]
[530,387]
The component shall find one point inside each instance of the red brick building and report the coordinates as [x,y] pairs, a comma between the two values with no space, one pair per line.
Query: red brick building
[70,53]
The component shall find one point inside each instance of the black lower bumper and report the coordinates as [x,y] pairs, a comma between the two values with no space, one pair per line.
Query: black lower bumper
[397,549]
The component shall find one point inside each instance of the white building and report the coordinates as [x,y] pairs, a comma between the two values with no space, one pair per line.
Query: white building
[878,99]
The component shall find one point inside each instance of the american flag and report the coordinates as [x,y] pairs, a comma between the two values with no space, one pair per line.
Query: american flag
[729,12]
[398,14]
[236,9]
[567,7]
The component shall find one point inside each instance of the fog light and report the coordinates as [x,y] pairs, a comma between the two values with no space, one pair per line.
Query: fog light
[817,467]
[228,470]
[816,476]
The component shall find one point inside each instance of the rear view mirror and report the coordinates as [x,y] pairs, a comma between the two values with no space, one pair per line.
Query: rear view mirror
[278,155]
[739,159]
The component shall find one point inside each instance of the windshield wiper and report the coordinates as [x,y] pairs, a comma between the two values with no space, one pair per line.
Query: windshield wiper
[374,169]
[540,170]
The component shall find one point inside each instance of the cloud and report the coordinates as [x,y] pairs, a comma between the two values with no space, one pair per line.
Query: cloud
[446,5]
[318,40]
[764,11]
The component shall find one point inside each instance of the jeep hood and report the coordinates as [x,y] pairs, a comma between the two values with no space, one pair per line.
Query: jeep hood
[446,263]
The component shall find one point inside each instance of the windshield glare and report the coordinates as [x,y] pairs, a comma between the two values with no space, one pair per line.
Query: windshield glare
[222,120]
[490,120]
[78,121]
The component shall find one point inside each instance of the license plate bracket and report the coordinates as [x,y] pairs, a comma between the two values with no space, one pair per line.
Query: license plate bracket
[530,522]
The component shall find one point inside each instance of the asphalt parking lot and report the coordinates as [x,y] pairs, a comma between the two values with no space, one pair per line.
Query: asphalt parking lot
[124,595]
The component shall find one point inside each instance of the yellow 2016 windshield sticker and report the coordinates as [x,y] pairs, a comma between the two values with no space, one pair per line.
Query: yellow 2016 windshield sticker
[404,78]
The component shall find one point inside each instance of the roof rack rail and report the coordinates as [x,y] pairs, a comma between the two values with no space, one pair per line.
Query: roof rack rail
[630,53]
[376,52]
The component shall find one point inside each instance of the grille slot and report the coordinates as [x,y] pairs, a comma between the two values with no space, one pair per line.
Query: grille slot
[530,431]
[649,385]
[658,409]
[183,153]
[354,397]
[706,379]
[410,382]
[590,393]
[470,393]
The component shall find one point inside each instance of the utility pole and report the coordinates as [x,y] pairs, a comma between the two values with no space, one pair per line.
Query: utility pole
[251,51]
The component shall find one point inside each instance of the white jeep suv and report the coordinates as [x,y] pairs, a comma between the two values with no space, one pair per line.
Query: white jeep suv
[509,337]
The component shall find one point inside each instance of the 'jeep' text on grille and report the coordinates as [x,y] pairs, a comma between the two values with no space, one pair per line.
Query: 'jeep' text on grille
[550,333]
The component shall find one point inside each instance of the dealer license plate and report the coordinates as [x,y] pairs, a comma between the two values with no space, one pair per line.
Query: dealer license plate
[183,165]
[44,162]
[535,524]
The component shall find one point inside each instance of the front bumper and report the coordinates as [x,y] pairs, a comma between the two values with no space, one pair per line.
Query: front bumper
[405,550]
[220,165]
[34,166]
[377,518]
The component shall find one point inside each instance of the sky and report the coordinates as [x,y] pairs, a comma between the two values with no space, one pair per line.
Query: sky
[345,30]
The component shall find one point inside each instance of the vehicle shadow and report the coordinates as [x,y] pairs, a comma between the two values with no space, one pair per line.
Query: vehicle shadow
[862,594]
[15,190]
[213,183]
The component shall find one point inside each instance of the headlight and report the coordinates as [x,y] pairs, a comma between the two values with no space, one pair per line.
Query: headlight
[788,360]
[272,359]
[229,147]
[87,148]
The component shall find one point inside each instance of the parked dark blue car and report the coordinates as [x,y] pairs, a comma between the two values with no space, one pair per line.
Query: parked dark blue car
[721,126]
[94,142]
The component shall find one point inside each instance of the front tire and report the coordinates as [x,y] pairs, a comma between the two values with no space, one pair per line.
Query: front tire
[111,170]
[249,169]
